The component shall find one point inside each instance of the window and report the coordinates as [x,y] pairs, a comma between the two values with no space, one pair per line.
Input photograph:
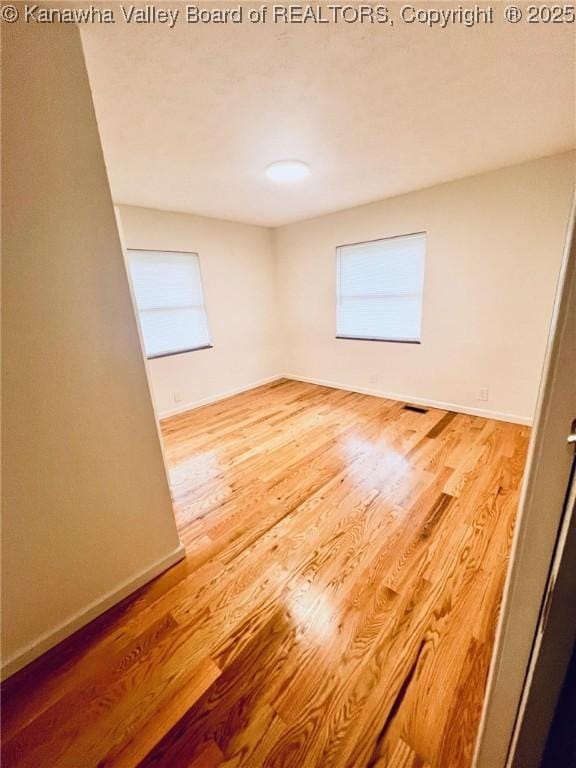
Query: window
[168,292]
[380,289]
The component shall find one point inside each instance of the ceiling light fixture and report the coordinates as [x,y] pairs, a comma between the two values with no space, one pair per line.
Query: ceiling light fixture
[285,171]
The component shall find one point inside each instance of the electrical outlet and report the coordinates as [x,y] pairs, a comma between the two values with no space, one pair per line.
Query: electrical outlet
[373,378]
[483,394]
[177,397]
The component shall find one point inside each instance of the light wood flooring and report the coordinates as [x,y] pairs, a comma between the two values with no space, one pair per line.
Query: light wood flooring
[337,607]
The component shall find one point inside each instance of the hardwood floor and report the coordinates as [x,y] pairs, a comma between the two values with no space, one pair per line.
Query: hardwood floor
[337,607]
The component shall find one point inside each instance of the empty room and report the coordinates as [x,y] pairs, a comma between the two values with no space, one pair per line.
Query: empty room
[288,413]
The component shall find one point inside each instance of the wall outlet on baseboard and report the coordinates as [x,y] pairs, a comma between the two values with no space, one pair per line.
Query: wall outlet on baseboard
[373,378]
[177,397]
[483,394]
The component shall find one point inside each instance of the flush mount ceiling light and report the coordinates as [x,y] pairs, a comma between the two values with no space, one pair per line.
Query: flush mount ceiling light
[285,171]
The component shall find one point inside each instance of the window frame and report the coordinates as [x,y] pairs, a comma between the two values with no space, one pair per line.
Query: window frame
[170,353]
[339,248]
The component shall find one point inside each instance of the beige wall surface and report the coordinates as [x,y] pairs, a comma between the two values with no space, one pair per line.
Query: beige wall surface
[494,246]
[87,515]
[238,278]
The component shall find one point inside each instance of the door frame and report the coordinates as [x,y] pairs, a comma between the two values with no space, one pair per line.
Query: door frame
[552,648]
[540,515]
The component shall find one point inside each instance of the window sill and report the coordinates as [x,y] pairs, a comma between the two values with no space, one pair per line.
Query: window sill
[369,338]
[178,352]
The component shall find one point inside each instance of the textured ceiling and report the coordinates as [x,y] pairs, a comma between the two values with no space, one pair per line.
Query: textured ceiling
[190,117]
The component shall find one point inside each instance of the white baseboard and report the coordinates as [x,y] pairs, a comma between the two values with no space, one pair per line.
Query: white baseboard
[190,406]
[484,413]
[61,631]
[417,400]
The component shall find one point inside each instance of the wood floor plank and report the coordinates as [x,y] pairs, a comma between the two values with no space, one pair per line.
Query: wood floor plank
[337,607]
[229,705]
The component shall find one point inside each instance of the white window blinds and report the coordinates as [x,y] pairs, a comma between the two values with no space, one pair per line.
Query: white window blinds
[168,292]
[380,289]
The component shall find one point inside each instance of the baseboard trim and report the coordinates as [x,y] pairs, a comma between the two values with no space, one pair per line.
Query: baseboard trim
[484,413]
[83,617]
[417,400]
[215,398]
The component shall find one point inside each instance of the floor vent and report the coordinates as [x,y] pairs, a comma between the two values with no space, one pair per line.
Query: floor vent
[415,408]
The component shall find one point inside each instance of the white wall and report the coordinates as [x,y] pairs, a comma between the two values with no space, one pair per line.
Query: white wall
[87,515]
[238,277]
[494,247]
